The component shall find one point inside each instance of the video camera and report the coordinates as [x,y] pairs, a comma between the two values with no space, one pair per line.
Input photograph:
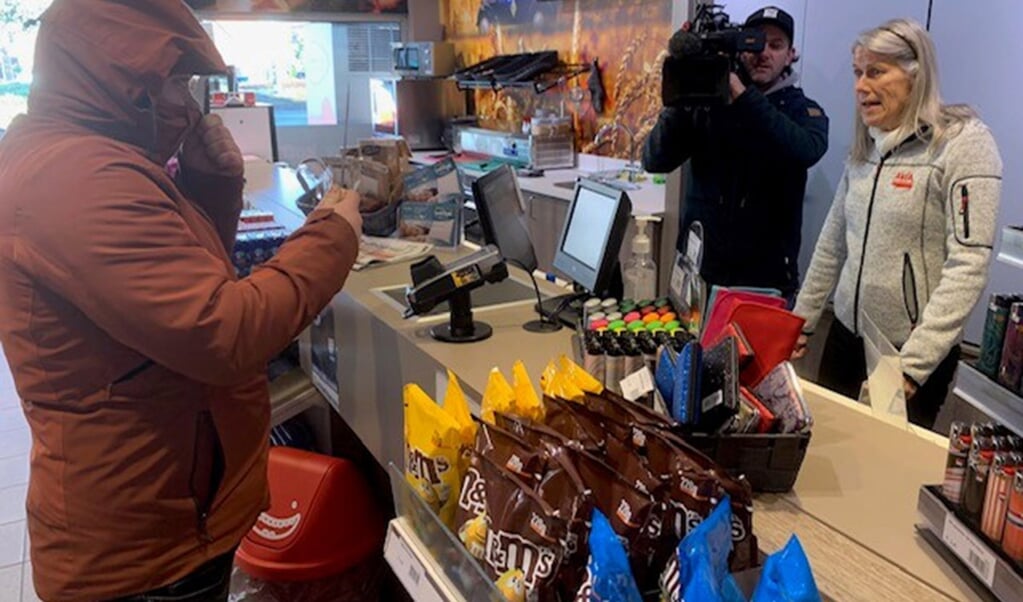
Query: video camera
[700,59]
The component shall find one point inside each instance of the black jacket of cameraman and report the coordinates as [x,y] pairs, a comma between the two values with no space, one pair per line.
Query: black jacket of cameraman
[745,180]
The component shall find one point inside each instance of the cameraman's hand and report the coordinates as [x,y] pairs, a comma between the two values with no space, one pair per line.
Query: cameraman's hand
[345,203]
[210,149]
[735,86]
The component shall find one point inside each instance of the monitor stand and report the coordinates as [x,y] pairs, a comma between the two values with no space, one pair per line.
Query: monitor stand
[572,308]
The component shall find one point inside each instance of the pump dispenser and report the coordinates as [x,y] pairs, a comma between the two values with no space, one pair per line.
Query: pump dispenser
[640,271]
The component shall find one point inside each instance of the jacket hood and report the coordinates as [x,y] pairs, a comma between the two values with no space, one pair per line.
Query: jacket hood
[786,80]
[100,64]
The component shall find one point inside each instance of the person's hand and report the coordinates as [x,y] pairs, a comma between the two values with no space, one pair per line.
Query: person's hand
[735,86]
[210,149]
[345,203]
[909,388]
[800,349]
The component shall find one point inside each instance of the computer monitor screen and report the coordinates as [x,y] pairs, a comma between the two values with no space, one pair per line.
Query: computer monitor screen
[499,204]
[592,236]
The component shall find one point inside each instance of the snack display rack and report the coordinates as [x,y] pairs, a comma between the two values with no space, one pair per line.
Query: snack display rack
[960,543]
[426,557]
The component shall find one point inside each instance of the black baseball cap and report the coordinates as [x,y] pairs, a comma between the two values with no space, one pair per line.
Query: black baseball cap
[772,15]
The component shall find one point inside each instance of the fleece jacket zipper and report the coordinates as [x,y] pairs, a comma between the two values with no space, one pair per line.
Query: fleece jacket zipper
[866,234]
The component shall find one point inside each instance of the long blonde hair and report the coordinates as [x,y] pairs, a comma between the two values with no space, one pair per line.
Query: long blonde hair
[908,45]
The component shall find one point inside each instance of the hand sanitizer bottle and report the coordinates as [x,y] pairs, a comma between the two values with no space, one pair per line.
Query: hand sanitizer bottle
[640,271]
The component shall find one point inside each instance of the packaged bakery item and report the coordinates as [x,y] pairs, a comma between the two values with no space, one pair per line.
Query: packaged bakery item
[499,396]
[608,574]
[525,537]
[527,403]
[433,450]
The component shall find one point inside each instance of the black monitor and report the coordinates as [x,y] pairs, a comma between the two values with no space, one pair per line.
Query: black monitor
[503,220]
[502,216]
[592,237]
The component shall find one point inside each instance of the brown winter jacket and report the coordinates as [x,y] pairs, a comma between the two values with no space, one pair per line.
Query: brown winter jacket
[139,356]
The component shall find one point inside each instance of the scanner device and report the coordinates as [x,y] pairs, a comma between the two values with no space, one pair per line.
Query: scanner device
[433,283]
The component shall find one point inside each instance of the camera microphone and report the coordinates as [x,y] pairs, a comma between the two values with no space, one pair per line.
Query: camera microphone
[684,44]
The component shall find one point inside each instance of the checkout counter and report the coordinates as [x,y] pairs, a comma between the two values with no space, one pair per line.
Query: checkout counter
[854,506]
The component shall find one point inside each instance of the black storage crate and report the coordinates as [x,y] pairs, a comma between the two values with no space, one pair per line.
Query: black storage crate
[770,462]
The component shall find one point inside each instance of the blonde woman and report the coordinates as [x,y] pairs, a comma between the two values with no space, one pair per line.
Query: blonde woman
[908,238]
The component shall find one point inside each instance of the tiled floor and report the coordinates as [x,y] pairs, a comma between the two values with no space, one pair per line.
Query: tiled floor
[15,442]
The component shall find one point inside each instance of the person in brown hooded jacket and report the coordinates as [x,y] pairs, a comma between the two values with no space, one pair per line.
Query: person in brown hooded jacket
[138,354]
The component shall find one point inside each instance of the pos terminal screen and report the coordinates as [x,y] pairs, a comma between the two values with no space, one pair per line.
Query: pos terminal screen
[588,228]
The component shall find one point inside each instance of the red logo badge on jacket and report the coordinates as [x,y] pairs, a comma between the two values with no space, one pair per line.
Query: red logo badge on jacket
[903,180]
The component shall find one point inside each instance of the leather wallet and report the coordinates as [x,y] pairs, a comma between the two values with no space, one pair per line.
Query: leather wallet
[743,349]
[766,418]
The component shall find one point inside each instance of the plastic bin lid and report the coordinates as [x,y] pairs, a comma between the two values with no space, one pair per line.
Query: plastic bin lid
[322,520]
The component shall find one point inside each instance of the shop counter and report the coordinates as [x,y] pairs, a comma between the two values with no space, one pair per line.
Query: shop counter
[853,506]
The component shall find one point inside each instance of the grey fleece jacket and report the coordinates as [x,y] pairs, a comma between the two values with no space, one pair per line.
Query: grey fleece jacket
[908,240]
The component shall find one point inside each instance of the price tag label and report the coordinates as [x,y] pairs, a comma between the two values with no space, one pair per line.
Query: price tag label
[968,548]
[637,384]
[409,569]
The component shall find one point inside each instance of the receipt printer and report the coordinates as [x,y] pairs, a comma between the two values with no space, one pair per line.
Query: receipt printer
[433,284]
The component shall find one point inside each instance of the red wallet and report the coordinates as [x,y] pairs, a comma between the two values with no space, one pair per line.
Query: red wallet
[772,332]
[724,305]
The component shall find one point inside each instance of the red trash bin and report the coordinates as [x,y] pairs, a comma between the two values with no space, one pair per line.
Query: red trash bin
[322,522]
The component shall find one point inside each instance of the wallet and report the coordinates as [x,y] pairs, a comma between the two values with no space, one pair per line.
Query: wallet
[719,386]
[772,334]
[724,306]
[781,393]
[664,374]
[743,349]
[685,405]
[765,416]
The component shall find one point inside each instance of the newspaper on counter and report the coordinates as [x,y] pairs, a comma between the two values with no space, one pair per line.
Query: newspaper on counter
[378,251]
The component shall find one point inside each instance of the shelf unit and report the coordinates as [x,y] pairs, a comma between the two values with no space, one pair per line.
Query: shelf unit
[428,559]
[956,540]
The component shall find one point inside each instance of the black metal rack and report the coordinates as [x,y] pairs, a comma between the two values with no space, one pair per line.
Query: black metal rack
[538,70]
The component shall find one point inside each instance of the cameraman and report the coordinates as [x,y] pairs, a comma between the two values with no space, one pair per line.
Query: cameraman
[746,174]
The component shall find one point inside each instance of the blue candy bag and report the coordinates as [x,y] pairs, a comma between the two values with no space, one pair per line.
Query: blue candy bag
[608,574]
[787,577]
[698,571]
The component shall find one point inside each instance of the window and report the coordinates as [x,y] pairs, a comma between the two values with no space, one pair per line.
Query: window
[17,48]
[295,65]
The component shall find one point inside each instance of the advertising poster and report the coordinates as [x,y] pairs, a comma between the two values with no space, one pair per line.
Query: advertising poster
[582,31]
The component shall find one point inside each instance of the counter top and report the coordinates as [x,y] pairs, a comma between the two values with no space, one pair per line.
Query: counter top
[853,506]
[648,200]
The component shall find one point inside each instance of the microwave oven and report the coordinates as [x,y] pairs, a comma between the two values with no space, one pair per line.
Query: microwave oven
[427,59]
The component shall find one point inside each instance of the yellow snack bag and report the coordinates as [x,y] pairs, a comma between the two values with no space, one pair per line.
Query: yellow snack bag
[527,403]
[563,387]
[432,452]
[497,397]
[547,377]
[457,406]
[583,379]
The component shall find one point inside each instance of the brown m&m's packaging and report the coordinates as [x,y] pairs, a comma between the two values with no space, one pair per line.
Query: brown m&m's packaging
[525,537]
